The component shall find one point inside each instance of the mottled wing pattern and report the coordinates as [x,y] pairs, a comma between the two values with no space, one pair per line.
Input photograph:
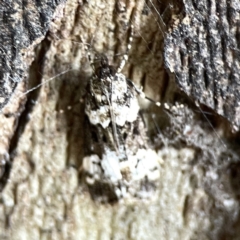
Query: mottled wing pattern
[120,163]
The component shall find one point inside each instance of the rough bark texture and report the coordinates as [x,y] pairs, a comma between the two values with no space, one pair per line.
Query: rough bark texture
[203,51]
[198,195]
[23,25]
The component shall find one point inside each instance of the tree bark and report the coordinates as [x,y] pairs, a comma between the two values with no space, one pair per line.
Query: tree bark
[203,52]
[43,197]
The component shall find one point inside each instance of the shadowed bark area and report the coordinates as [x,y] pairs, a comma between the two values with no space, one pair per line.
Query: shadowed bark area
[44,198]
[23,25]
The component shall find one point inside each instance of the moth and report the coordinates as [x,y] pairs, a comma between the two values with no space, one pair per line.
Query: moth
[119,163]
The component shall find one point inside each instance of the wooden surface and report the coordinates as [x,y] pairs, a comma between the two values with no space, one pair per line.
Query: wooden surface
[44,198]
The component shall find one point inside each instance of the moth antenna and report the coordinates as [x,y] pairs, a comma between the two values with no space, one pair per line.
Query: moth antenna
[214,130]
[161,19]
[142,94]
[44,82]
[125,56]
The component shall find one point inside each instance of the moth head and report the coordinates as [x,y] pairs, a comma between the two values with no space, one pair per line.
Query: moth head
[102,67]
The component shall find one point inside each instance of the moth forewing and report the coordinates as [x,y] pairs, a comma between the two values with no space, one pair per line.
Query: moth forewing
[125,163]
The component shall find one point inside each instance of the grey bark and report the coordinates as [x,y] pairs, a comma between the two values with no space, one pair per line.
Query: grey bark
[203,52]
[23,25]
[44,198]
